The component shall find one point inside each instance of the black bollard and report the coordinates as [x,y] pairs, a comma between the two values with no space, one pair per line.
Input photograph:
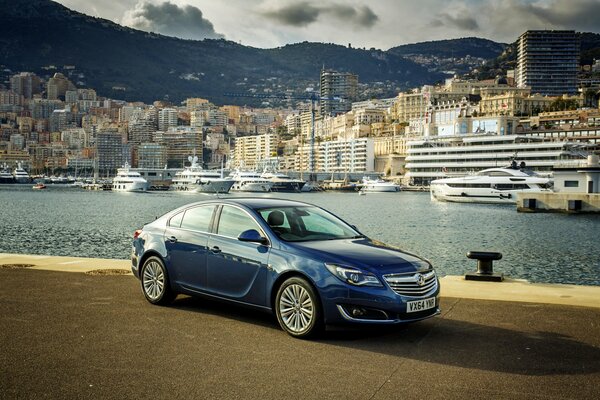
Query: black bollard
[485,269]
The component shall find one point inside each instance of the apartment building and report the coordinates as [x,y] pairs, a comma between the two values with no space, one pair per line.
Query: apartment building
[548,61]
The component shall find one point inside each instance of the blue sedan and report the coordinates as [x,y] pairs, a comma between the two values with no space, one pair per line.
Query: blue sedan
[299,261]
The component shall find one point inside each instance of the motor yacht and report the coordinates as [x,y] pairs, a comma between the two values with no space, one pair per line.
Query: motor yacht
[280,182]
[492,185]
[196,179]
[20,175]
[250,181]
[5,175]
[378,185]
[129,181]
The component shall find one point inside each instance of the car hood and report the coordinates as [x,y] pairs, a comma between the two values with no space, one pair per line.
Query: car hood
[365,253]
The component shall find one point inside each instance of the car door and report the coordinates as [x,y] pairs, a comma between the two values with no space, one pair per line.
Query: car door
[186,239]
[237,269]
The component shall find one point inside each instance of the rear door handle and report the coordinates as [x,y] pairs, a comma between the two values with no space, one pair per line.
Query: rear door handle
[215,249]
[172,239]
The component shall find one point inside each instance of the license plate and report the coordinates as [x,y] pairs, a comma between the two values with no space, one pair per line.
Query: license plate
[420,305]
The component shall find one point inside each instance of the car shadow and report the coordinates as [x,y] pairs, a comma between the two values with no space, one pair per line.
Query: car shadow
[225,309]
[441,340]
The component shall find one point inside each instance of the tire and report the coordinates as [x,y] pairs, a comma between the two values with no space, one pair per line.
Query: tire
[298,308]
[155,282]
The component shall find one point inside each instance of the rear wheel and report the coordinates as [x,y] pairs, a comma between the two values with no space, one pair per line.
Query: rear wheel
[298,308]
[155,282]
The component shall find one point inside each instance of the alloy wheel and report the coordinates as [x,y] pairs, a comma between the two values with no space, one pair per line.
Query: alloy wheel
[296,308]
[153,280]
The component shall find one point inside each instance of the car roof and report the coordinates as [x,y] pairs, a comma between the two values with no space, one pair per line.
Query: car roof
[254,202]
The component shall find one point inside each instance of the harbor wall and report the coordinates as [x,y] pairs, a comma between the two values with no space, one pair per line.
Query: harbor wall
[559,202]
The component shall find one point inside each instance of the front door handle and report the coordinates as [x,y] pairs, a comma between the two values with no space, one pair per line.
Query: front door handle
[215,249]
[172,239]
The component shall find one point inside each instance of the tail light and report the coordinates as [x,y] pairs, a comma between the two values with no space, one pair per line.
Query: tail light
[137,233]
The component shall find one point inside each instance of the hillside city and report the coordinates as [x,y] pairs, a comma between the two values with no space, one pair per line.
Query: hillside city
[54,126]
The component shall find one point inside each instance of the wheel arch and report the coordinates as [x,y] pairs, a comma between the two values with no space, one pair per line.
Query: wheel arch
[285,276]
[146,256]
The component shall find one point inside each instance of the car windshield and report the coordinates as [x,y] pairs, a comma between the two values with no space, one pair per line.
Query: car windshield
[305,223]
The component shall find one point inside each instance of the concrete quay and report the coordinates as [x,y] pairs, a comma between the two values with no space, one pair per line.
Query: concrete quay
[67,334]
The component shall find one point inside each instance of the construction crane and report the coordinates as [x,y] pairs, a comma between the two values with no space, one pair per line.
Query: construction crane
[313,98]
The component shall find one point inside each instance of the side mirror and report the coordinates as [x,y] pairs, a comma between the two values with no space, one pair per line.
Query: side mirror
[252,235]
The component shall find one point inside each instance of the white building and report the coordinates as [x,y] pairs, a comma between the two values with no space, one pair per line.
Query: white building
[577,177]
[443,156]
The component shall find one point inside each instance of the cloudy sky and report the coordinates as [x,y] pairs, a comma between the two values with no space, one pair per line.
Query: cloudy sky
[363,23]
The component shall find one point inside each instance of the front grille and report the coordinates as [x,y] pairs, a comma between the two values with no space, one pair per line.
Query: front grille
[408,284]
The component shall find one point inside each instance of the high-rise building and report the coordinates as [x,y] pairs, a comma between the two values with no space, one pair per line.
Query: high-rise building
[547,62]
[338,91]
[58,86]
[167,118]
[109,148]
[26,84]
[143,125]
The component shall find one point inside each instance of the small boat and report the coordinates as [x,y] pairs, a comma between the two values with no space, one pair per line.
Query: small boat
[378,186]
[39,186]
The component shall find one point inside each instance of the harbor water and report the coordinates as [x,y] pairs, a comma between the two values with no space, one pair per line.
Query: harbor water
[551,248]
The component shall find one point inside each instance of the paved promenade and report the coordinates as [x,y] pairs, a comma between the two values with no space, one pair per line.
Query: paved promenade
[74,335]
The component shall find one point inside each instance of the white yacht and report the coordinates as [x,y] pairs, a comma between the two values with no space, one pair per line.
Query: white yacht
[196,179]
[5,175]
[129,181]
[250,181]
[492,185]
[20,175]
[280,182]
[378,185]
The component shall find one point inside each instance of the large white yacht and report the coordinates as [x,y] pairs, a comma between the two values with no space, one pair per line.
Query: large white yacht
[5,175]
[250,181]
[20,175]
[492,185]
[129,181]
[378,185]
[196,179]
[280,182]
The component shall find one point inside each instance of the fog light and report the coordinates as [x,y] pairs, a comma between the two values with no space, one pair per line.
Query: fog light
[358,312]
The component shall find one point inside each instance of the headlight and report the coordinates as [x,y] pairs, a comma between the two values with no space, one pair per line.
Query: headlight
[353,276]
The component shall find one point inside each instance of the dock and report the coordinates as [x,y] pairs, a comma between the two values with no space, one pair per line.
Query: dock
[81,328]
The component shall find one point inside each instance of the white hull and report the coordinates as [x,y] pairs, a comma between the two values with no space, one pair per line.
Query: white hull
[214,186]
[380,188]
[479,196]
[130,187]
[248,186]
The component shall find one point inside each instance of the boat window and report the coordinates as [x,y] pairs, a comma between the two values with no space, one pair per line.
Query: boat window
[234,221]
[494,173]
[469,185]
[198,218]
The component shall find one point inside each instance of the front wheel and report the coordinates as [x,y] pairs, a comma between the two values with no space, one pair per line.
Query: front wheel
[155,282]
[298,308]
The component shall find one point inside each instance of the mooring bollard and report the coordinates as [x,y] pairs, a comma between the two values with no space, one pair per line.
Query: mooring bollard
[485,269]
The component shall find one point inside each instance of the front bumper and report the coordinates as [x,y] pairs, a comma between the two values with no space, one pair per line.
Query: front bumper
[345,304]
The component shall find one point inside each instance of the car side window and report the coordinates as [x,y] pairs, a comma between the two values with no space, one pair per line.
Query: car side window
[198,218]
[234,221]
[175,221]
